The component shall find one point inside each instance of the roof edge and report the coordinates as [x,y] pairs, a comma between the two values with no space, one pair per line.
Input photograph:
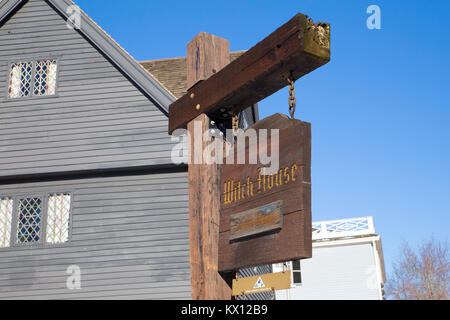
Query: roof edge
[111,49]
[7,7]
[119,56]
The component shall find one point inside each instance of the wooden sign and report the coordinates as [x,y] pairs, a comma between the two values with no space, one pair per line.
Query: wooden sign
[262,283]
[256,221]
[266,218]
[217,89]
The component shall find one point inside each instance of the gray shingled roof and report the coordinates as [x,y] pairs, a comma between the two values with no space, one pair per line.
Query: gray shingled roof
[172,72]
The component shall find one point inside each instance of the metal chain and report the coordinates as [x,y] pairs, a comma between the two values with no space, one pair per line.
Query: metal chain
[292,100]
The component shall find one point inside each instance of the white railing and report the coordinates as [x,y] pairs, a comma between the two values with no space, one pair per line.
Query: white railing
[342,228]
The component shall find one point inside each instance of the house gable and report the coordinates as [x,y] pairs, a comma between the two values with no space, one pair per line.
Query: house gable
[150,85]
[108,112]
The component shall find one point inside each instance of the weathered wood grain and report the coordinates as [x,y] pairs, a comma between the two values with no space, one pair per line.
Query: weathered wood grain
[205,54]
[256,221]
[295,49]
[291,184]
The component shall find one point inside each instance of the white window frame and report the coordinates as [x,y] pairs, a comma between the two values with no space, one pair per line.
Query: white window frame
[7,244]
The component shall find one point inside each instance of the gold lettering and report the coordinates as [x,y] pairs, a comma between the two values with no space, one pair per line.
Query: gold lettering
[244,189]
[231,191]
[249,187]
[294,168]
[254,220]
[239,191]
[286,175]
[259,180]
[225,193]
[270,182]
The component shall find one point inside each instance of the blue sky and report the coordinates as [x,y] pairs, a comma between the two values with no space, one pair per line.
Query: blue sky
[380,110]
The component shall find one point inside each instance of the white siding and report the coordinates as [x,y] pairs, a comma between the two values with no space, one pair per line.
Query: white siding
[344,272]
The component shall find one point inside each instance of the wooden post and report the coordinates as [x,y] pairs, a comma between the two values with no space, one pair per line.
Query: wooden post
[206,55]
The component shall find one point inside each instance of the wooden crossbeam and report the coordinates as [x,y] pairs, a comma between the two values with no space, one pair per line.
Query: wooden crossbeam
[293,50]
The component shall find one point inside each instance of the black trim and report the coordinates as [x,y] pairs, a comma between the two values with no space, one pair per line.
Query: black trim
[13,12]
[94,173]
[255,109]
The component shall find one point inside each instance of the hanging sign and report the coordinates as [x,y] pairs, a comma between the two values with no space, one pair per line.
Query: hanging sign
[262,283]
[265,212]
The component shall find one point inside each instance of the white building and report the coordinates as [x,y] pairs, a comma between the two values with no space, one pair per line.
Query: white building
[347,264]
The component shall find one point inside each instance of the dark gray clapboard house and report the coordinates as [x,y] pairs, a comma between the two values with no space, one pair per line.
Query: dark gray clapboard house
[91,205]
[86,180]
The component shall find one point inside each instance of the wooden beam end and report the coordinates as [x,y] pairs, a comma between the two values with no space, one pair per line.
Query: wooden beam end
[317,39]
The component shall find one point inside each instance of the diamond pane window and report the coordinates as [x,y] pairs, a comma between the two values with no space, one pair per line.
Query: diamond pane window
[58,211]
[45,78]
[20,80]
[29,220]
[6,208]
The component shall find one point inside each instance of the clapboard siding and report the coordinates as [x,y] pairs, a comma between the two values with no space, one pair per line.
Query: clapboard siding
[130,234]
[130,237]
[340,272]
[99,119]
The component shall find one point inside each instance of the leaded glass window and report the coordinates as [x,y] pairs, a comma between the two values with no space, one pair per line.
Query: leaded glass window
[20,80]
[29,220]
[58,211]
[35,78]
[6,208]
[45,78]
